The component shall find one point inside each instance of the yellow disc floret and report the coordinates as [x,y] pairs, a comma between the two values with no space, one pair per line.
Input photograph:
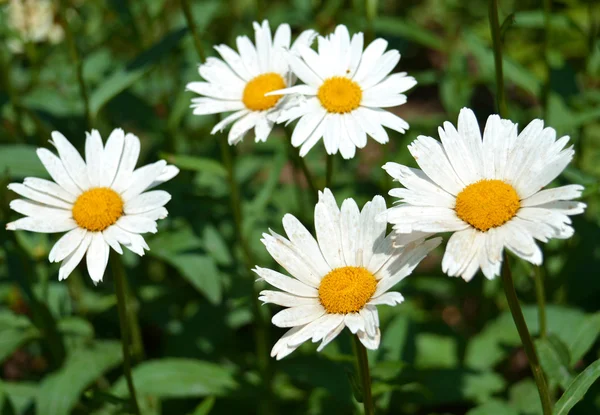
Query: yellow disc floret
[340,95]
[98,208]
[487,204]
[346,290]
[254,93]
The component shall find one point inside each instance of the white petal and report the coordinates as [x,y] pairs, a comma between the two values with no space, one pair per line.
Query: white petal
[66,245]
[314,137]
[142,178]
[49,188]
[306,126]
[327,226]
[216,71]
[370,342]
[283,36]
[369,59]
[568,192]
[384,65]
[304,242]
[355,132]
[129,158]
[350,222]
[303,71]
[235,62]
[328,338]
[57,171]
[316,329]
[354,322]
[216,91]
[242,126]
[72,160]
[285,299]
[387,119]
[136,224]
[371,127]
[42,224]
[262,129]
[392,85]
[94,151]
[146,202]
[432,159]
[390,298]
[297,263]
[29,208]
[154,214]
[297,316]
[113,151]
[205,106]
[96,258]
[220,126]
[462,249]
[372,231]
[71,261]
[290,285]
[407,219]
[39,197]
[110,239]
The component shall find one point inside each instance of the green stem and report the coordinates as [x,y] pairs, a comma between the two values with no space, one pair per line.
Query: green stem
[185,5]
[546,87]
[261,333]
[78,65]
[119,276]
[541,299]
[517,314]
[329,171]
[362,363]
[371,14]
[300,162]
[495,29]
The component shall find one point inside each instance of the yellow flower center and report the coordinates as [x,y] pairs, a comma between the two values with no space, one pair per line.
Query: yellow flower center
[487,203]
[346,290]
[97,209]
[254,93]
[339,95]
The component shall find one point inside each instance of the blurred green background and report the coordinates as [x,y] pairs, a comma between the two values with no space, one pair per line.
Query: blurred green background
[451,348]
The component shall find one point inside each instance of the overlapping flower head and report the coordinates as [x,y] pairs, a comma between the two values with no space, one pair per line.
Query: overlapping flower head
[488,191]
[101,202]
[240,81]
[345,90]
[339,278]
[32,21]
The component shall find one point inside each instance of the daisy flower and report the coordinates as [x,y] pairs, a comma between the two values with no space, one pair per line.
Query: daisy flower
[487,191]
[344,93]
[240,81]
[101,202]
[339,278]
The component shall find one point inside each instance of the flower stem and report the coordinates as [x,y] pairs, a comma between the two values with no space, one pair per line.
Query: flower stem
[329,171]
[541,299]
[119,276]
[362,363]
[261,336]
[78,65]
[495,29]
[517,314]
[300,162]
[185,5]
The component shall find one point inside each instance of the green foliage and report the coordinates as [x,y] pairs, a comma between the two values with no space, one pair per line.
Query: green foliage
[450,348]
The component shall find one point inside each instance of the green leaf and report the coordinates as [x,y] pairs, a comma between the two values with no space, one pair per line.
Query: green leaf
[18,161]
[205,407]
[15,330]
[179,378]
[202,273]
[21,394]
[122,79]
[216,246]
[584,338]
[200,164]
[60,391]
[435,351]
[577,389]
[394,26]
[554,358]
[493,407]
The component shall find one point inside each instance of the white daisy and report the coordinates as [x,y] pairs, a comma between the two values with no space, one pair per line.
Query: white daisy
[101,202]
[337,281]
[488,191]
[345,92]
[33,21]
[240,82]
